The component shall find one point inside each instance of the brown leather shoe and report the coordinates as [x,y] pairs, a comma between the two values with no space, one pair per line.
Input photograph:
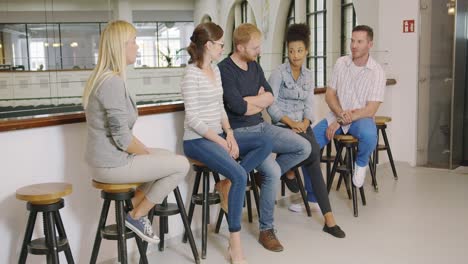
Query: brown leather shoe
[269,241]
[223,188]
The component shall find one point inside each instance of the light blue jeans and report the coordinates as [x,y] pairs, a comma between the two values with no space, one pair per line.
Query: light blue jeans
[363,129]
[293,149]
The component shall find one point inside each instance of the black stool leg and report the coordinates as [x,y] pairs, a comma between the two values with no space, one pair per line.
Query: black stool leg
[120,219]
[353,188]
[373,175]
[62,234]
[249,205]
[205,212]
[303,193]
[27,237]
[141,249]
[389,152]
[196,185]
[283,189]
[102,223]
[253,186]
[162,226]
[220,220]
[334,167]
[328,158]
[50,237]
[363,196]
[188,231]
[141,244]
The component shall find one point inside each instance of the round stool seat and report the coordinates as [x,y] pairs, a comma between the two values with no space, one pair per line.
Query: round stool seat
[115,187]
[197,163]
[44,193]
[381,120]
[346,138]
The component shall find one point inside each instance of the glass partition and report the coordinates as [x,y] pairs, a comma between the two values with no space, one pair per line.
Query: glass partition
[48,49]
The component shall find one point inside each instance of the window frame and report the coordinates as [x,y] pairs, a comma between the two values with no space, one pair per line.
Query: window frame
[313,55]
[345,6]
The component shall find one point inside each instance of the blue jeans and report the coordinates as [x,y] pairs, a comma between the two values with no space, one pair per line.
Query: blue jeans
[253,149]
[292,148]
[363,129]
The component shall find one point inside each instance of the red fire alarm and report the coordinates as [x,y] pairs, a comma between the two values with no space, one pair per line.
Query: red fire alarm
[408,26]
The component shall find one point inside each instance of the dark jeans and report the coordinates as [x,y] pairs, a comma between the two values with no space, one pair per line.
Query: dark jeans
[313,178]
[253,149]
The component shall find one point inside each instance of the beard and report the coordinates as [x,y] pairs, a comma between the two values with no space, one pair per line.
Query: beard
[248,58]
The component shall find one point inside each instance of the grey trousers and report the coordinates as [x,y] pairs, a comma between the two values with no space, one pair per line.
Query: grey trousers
[159,172]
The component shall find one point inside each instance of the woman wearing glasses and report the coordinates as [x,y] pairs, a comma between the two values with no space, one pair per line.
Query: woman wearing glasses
[208,136]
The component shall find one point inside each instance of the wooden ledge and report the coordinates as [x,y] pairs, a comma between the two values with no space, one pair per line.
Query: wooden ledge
[79,117]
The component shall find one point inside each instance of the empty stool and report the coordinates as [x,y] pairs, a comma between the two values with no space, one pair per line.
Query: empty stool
[300,183]
[381,124]
[164,210]
[45,198]
[121,194]
[205,199]
[346,170]
[251,187]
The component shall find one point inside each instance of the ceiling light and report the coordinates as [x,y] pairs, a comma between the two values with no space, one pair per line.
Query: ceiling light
[56,45]
[74,44]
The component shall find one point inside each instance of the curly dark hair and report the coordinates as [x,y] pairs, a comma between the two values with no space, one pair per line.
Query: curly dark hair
[298,32]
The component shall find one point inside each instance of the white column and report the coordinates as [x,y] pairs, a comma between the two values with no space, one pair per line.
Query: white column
[122,9]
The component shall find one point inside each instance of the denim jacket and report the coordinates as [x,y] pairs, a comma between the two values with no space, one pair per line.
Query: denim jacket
[294,99]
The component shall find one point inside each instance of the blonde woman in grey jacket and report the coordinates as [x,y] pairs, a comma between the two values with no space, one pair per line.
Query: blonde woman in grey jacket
[113,152]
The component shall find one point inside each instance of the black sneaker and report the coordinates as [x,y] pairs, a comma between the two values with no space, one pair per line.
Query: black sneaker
[334,231]
[291,183]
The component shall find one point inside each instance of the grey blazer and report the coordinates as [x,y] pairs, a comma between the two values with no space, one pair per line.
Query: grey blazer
[110,116]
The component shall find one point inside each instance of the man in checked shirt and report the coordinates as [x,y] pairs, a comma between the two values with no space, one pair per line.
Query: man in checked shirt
[354,95]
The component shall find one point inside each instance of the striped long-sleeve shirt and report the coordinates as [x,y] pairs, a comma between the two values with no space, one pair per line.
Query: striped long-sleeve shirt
[355,86]
[203,100]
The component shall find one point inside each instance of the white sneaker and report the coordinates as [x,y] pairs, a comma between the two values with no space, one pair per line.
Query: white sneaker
[359,175]
[299,207]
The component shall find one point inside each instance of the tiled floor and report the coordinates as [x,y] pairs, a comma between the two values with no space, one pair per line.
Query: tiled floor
[421,218]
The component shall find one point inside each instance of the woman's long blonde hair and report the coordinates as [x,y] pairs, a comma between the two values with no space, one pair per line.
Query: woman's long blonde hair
[112,56]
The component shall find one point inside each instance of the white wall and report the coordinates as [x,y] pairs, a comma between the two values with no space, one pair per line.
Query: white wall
[56,154]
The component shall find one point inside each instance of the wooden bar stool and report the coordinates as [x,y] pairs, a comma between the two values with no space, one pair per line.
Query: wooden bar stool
[45,198]
[346,170]
[121,194]
[381,124]
[164,210]
[205,199]
[251,187]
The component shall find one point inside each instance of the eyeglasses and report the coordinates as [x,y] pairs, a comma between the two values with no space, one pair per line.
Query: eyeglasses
[221,44]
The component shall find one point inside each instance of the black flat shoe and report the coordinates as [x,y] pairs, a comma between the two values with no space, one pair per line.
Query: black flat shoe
[291,184]
[334,231]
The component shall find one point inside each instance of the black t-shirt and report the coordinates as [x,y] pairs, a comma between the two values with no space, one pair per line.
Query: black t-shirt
[237,84]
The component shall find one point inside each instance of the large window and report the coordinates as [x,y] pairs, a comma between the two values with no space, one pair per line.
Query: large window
[348,22]
[317,59]
[50,46]
[57,46]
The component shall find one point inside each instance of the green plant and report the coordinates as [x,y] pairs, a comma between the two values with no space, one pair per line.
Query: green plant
[168,57]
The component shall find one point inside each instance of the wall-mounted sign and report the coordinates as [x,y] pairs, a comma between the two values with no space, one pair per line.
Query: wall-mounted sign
[408,26]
